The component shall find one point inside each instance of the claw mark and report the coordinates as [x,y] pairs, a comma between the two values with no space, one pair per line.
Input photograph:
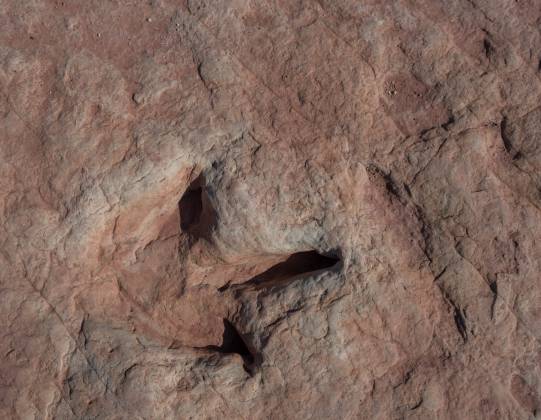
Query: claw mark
[297,264]
[197,217]
[494,288]
[234,343]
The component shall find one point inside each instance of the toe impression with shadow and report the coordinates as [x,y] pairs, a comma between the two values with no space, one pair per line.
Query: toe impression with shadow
[197,219]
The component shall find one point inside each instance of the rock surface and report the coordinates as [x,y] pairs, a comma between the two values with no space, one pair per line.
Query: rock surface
[305,209]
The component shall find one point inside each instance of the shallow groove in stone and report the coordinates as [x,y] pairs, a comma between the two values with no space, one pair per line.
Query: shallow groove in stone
[297,264]
[197,216]
[234,343]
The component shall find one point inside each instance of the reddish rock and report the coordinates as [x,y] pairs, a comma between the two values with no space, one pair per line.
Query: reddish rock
[292,209]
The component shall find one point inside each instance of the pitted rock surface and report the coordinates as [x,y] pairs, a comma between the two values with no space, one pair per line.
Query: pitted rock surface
[305,209]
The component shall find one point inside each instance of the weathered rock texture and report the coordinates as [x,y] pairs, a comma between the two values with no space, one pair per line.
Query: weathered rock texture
[320,209]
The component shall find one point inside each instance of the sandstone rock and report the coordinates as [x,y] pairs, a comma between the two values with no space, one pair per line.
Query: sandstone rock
[270,209]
